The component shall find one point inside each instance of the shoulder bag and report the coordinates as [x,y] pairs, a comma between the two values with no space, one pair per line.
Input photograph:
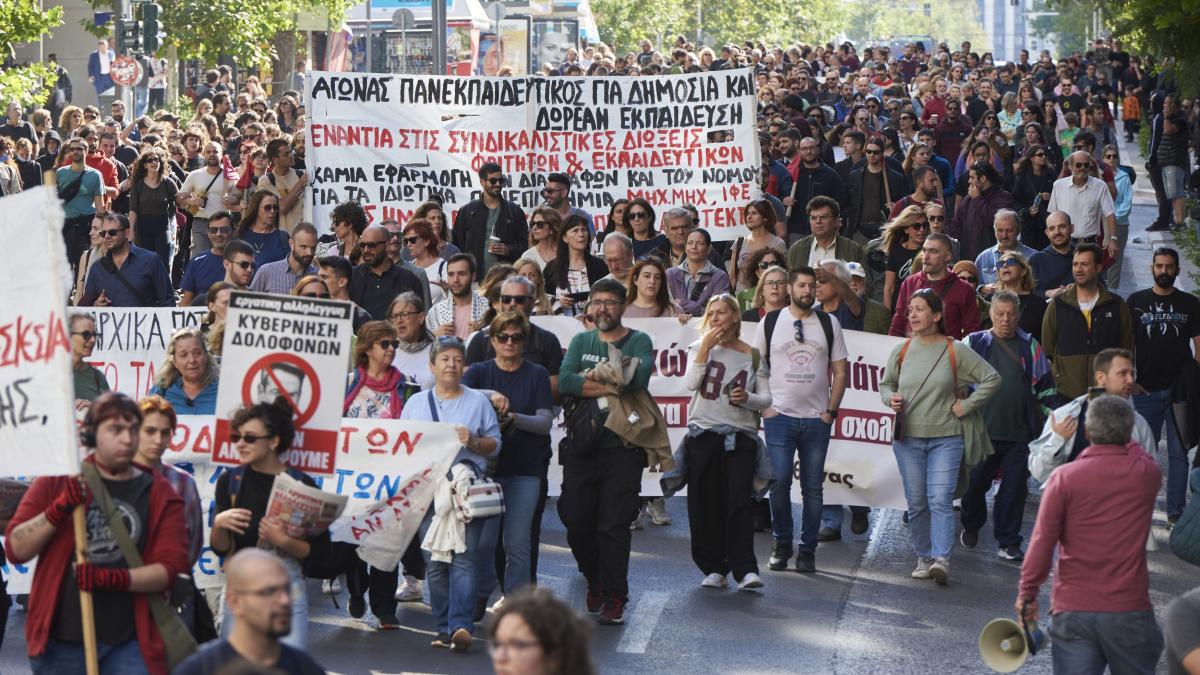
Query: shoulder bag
[483,498]
[898,427]
[178,642]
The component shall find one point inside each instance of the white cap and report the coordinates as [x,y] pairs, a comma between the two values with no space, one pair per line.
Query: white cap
[856,269]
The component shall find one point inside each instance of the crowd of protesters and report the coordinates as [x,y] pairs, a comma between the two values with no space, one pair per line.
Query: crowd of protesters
[978,209]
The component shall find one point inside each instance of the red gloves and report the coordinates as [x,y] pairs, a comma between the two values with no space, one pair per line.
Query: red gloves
[93,578]
[73,495]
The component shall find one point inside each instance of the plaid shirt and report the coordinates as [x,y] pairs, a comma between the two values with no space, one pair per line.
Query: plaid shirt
[193,513]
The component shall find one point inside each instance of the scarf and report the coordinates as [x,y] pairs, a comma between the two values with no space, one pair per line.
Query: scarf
[389,383]
[414,347]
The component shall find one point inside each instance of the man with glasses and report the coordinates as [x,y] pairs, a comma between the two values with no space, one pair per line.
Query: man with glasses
[85,188]
[1007,226]
[824,243]
[285,182]
[808,380]
[960,310]
[239,269]
[204,192]
[127,276]
[258,593]
[491,228]
[208,268]
[812,178]
[1088,202]
[618,255]
[873,189]
[601,485]
[280,277]
[557,193]
[376,280]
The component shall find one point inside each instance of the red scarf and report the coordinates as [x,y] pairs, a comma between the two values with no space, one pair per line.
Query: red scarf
[389,383]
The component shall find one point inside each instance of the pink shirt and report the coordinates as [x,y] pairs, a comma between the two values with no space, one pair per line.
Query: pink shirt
[1096,510]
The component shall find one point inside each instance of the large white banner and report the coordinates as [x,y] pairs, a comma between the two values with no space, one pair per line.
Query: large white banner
[393,141]
[133,342]
[37,430]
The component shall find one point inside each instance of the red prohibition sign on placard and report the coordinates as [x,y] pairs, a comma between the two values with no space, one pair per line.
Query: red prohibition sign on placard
[265,364]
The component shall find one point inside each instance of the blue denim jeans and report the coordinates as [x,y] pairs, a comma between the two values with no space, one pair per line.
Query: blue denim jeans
[1156,408]
[929,469]
[67,657]
[808,438]
[521,495]
[298,638]
[833,515]
[1085,643]
[452,585]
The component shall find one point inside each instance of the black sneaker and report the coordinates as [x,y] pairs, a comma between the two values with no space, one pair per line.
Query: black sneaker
[859,522]
[1011,552]
[481,605]
[762,516]
[442,641]
[806,563]
[829,534]
[779,557]
[1159,227]
[357,607]
[969,539]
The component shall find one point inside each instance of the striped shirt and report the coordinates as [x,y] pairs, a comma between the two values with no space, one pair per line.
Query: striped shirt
[277,277]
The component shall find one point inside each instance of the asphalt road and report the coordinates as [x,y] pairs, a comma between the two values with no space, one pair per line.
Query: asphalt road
[861,613]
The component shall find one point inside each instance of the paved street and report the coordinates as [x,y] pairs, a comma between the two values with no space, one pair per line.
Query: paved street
[860,614]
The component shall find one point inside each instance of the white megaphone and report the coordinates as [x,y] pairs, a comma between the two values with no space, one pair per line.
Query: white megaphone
[1004,644]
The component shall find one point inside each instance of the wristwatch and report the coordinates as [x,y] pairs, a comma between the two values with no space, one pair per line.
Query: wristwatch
[832,413]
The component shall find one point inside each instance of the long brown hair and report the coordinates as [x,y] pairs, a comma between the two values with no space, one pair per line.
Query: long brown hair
[251,213]
[663,299]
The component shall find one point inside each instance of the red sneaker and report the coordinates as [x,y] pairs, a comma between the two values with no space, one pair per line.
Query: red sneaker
[613,613]
[595,601]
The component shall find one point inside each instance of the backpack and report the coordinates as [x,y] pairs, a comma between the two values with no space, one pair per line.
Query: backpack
[772,318]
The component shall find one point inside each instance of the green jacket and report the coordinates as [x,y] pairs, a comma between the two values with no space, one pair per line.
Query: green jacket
[1071,342]
[587,350]
[878,319]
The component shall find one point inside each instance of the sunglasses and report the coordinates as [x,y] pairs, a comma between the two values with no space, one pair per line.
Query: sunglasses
[225,229]
[872,152]
[87,335]
[244,264]
[316,295]
[1039,153]
[1011,262]
[110,233]
[388,344]
[537,224]
[496,181]
[969,279]
[799,326]
[271,207]
[411,240]
[235,437]
[766,264]
[937,219]
[1110,157]
[370,244]
[637,215]
[1081,165]
[506,338]
[511,299]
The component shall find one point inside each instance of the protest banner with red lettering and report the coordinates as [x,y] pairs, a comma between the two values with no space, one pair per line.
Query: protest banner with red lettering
[132,344]
[37,398]
[290,347]
[393,141]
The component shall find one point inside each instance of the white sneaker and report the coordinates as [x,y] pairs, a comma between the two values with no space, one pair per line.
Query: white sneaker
[922,571]
[940,571]
[410,590]
[637,520]
[750,582]
[331,586]
[657,510]
[714,580]
[497,605]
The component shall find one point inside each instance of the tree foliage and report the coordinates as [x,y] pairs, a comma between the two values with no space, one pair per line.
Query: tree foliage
[22,22]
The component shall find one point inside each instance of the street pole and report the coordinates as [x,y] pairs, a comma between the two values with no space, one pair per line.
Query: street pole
[369,36]
[438,39]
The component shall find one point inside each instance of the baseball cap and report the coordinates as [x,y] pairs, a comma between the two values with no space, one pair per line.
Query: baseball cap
[856,269]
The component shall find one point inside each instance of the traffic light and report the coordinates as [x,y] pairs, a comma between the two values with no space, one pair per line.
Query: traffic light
[128,36]
[151,36]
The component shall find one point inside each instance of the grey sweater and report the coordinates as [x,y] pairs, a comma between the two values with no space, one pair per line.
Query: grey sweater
[928,413]
[710,406]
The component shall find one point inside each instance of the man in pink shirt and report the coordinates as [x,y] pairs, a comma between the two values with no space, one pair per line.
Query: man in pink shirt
[961,315]
[1096,510]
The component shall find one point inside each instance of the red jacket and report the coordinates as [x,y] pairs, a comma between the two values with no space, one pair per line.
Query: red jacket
[960,312]
[166,544]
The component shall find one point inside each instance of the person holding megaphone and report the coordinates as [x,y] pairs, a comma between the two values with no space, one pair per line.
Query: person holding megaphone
[1096,511]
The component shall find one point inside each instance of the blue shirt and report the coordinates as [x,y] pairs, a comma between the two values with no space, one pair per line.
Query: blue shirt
[1051,269]
[84,202]
[528,390]
[277,277]
[268,247]
[143,270]
[203,271]
[205,402]
[988,262]
[471,409]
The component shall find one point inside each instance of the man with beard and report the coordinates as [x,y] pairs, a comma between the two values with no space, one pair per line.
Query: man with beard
[1166,324]
[285,182]
[1082,321]
[260,599]
[1052,265]
[812,178]
[127,276]
[961,311]
[807,384]
[376,280]
[557,194]
[204,192]
[280,277]
[457,313]
[491,228]
[600,485]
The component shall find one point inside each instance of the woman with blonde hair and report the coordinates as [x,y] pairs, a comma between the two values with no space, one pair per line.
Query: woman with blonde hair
[543,305]
[770,294]
[10,175]
[901,240]
[1015,275]
[70,119]
[187,379]
[203,107]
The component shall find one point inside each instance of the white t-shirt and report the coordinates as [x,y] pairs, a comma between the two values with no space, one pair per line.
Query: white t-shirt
[436,272]
[198,180]
[415,366]
[800,372]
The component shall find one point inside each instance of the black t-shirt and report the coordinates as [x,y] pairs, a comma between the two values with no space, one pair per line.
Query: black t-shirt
[219,657]
[1163,328]
[897,258]
[114,609]
[254,494]
[20,130]
[528,390]
[1033,310]
[1070,103]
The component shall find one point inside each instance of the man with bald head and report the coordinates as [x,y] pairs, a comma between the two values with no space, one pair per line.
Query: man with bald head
[1086,199]
[377,280]
[1052,265]
[259,595]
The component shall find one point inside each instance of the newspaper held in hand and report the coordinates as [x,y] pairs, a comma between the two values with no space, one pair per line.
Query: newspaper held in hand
[304,511]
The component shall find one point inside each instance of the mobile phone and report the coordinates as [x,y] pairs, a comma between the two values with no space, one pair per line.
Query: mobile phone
[1093,392]
[581,296]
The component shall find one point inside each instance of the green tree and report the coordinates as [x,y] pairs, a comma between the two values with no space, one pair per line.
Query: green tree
[625,23]
[22,22]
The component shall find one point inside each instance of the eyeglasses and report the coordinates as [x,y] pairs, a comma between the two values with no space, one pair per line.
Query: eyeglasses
[269,591]
[506,338]
[799,326]
[110,233]
[220,230]
[87,335]
[511,299]
[370,244]
[244,264]
[388,344]
[235,437]
[1010,262]
[775,284]
[411,240]
[315,295]
[403,315]
[606,304]
[637,215]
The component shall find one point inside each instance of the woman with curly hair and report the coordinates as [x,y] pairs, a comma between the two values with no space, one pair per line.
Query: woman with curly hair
[187,377]
[748,280]
[535,632]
